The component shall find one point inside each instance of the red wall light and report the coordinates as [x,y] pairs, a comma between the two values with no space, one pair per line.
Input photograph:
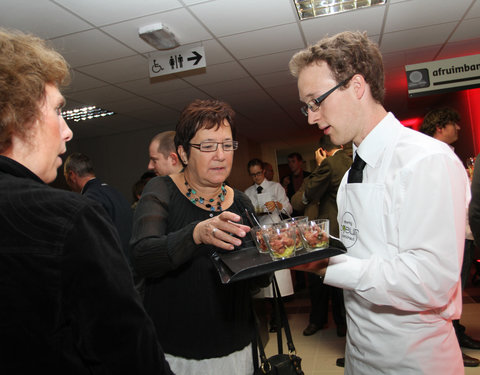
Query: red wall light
[414,122]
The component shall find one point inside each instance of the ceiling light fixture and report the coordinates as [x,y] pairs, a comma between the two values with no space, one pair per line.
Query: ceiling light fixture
[86,113]
[158,36]
[316,8]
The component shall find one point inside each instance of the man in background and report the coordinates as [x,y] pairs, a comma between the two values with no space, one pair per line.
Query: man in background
[321,188]
[269,199]
[80,177]
[268,168]
[163,156]
[67,300]
[295,163]
[443,125]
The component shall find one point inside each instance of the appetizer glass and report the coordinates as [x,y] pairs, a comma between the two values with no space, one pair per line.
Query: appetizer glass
[257,235]
[297,221]
[315,234]
[280,240]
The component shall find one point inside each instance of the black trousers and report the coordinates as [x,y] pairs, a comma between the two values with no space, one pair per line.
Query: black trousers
[320,295]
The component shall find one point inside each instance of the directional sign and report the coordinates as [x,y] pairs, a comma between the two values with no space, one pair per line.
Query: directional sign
[435,77]
[176,60]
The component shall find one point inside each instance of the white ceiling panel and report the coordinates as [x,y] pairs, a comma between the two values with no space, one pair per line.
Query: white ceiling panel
[415,38]
[464,48]
[227,17]
[276,79]
[90,47]
[132,105]
[217,73]
[275,62]
[474,11]
[220,89]
[418,13]
[467,30]
[147,87]
[110,11]
[82,82]
[177,99]
[263,42]
[121,70]
[101,95]
[215,53]
[26,14]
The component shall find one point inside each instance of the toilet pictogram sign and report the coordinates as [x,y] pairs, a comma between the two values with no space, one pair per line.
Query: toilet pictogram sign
[177,60]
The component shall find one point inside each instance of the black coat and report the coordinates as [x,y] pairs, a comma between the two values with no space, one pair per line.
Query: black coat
[67,300]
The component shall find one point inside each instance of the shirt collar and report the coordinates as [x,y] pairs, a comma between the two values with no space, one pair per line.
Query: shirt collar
[262,184]
[372,147]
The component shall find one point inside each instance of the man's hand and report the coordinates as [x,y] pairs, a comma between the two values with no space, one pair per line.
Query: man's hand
[272,204]
[319,267]
[320,155]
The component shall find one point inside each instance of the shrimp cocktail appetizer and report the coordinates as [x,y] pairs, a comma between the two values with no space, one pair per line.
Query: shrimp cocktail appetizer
[281,240]
[315,234]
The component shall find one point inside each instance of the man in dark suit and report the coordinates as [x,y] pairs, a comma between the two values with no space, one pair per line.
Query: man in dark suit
[320,190]
[80,176]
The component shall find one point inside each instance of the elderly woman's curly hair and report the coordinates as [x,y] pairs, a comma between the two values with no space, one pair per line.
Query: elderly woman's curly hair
[27,64]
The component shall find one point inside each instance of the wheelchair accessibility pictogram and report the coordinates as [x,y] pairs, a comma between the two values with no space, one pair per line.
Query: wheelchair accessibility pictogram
[156,67]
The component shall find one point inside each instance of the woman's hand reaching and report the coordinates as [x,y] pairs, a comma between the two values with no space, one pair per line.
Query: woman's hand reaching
[220,231]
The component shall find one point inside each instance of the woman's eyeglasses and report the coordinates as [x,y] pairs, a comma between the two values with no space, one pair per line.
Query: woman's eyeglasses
[209,146]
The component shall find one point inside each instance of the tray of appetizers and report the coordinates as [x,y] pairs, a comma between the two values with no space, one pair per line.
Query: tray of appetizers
[248,262]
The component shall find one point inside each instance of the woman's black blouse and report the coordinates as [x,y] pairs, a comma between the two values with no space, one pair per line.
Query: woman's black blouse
[196,316]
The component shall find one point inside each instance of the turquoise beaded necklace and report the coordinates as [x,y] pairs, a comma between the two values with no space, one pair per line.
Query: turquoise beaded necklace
[191,195]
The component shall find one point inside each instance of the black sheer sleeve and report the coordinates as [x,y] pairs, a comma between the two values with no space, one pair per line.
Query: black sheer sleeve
[155,252]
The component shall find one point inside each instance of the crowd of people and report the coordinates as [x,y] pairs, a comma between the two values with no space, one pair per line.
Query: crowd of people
[90,284]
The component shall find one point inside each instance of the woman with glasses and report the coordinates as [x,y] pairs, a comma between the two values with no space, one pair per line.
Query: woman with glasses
[181,219]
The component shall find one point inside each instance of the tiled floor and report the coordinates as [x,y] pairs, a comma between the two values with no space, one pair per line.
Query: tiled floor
[320,351]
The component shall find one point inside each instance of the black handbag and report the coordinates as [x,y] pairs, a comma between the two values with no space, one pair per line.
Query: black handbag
[279,364]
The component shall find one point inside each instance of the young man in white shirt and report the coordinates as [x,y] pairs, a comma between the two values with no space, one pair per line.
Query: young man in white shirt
[402,218]
[268,197]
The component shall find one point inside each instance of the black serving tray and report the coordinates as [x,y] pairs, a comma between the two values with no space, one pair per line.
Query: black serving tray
[248,262]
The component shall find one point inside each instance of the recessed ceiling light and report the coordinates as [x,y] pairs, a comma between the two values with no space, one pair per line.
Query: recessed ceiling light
[86,113]
[316,8]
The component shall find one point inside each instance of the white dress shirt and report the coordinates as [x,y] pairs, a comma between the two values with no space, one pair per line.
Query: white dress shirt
[401,293]
[272,191]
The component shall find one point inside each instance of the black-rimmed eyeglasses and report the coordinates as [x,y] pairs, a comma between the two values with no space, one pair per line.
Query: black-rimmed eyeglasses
[209,146]
[314,104]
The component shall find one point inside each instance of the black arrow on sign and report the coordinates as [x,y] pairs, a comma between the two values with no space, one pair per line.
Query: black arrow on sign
[197,57]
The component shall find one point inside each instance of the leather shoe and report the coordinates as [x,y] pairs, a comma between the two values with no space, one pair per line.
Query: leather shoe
[466,341]
[469,361]
[341,330]
[311,329]
[341,362]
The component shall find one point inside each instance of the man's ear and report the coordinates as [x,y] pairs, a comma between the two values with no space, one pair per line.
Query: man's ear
[359,85]
[174,158]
